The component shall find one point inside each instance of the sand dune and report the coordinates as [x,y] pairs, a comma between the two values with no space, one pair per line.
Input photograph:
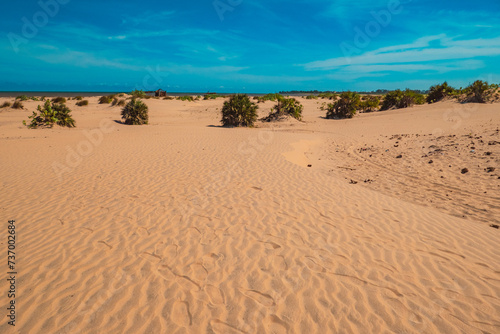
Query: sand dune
[182,226]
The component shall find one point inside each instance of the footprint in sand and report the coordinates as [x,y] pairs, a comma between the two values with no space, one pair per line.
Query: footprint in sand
[278,263]
[220,327]
[260,297]
[275,325]
[214,294]
[166,273]
[209,261]
[188,283]
[180,314]
[311,264]
[199,272]
[105,244]
[271,245]
[151,257]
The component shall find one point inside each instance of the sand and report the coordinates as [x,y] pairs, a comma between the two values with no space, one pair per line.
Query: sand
[183,226]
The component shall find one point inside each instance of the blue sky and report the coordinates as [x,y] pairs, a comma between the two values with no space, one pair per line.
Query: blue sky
[247,46]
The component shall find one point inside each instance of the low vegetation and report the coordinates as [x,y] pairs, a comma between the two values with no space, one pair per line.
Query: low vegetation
[138,94]
[50,114]
[188,98]
[118,102]
[6,104]
[312,97]
[17,105]
[369,103]
[106,99]
[22,98]
[439,92]
[399,99]
[345,107]
[268,97]
[479,92]
[135,112]
[328,96]
[59,99]
[239,111]
[79,98]
[285,107]
[211,96]
[82,103]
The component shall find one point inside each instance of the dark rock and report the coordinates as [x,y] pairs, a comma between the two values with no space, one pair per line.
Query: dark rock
[399,156]
[465,170]
[490,169]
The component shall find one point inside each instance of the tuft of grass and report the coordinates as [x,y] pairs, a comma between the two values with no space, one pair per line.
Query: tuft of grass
[328,96]
[50,114]
[285,106]
[79,98]
[168,98]
[211,96]
[118,102]
[239,111]
[106,99]
[6,104]
[135,112]
[478,92]
[439,92]
[22,98]
[138,94]
[17,105]
[268,97]
[398,99]
[185,98]
[59,99]
[82,103]
[345,107]
[370,103]
[312,97]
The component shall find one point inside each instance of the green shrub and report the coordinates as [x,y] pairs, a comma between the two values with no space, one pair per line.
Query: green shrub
[439,92]
[59,99]
[239,111]
[106,99]
[82,103]
[268,97]
[345,107]
[138,94]
[328,95]
[398,99]
[285,106]
[185,98]
[17,105]
[34,98]
[312,97]
[118,102]
[478,92]
[79,98]
[22,98]
[50,114]
[370,103]
[211,96]
[6,104]
[135,112]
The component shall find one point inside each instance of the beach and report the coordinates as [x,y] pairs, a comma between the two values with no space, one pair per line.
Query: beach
[362,225]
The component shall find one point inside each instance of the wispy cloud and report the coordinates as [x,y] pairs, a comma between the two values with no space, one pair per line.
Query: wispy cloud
[418,52]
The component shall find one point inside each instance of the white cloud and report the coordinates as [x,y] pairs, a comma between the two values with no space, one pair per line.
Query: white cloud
[417,52]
